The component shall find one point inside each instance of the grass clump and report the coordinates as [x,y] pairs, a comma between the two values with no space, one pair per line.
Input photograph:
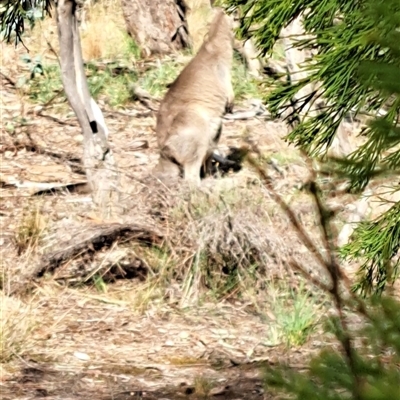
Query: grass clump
[244,86]
[203,386]
[229,256]
[43,87]
[296,313]
[219,243]
[17,323]
[30,231]
[111,83]
[104,36]
[156,79]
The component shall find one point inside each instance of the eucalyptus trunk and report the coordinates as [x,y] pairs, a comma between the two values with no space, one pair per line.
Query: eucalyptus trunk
[100,166]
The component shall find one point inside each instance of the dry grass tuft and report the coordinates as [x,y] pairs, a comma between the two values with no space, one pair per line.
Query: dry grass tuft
[218,240]
[30,231]
[203,386]
[232,239]
[104,35]
[222,241]
[198,17]
[18,321]
[226,239]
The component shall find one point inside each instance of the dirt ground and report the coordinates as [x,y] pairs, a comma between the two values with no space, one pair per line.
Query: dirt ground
[89,346]
[85,344]
[109,353]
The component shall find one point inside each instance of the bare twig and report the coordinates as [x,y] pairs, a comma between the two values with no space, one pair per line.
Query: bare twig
[336,275]
[58,120]
[49,102]
[53,50]
[8,79]
[267,180]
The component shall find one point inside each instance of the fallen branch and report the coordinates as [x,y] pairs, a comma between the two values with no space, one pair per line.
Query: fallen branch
[99,237]
[59,121]
[53,188]
[43,188]
[111,66]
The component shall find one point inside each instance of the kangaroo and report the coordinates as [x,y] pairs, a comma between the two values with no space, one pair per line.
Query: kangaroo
[189,120]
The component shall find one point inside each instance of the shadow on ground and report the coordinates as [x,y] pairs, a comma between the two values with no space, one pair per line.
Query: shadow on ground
[43,382]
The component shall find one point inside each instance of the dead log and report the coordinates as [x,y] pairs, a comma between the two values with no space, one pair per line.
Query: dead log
[95,239]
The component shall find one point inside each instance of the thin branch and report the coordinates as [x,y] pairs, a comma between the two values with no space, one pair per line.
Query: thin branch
[267,180]
[336,275]
[330,265]
[8,79]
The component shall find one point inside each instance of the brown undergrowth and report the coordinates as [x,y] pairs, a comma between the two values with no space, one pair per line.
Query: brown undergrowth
[187,286]
[185,294]
[183,287]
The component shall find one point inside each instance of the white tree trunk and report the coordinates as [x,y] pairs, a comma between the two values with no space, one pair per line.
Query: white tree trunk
[99,163]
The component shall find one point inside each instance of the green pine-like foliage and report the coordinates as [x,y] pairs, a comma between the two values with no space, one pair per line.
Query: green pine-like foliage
[15,13]
[357,64]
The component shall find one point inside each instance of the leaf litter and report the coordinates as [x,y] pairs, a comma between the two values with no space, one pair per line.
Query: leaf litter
[121,336]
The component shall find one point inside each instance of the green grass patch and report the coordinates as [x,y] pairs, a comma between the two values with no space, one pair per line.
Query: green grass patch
[43,87]
[297,312]
[243,84]
[155,80]
[112,83]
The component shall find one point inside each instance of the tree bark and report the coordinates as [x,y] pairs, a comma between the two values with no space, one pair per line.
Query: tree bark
[101,169]
[157,26]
